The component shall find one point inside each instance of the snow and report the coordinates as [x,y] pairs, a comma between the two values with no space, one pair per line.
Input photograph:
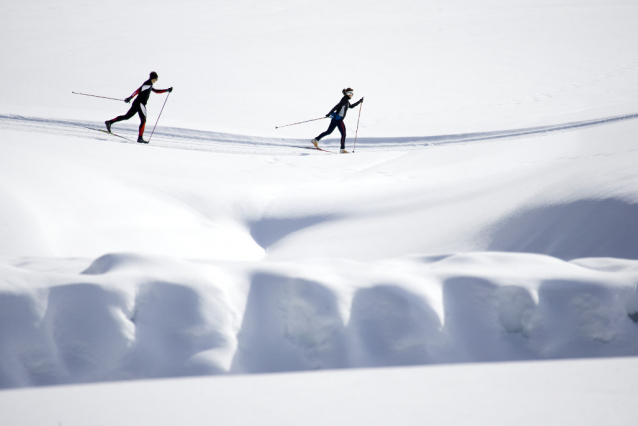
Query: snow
[428,67]
[549,393]
[475,261]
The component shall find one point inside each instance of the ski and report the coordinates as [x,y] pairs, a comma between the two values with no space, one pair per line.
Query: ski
[316,149]
[108,133]
[311,147]
[320,149]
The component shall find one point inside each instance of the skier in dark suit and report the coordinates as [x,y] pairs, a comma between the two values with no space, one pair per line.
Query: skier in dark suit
[139,105]
[338,113]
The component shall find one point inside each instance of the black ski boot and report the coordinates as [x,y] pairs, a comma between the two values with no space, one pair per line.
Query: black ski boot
[141,140]
[108,125]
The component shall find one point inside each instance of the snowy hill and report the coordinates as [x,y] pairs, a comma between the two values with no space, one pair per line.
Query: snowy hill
[488,213]
[184,262]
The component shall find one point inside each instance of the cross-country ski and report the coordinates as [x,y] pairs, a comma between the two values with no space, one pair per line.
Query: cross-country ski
[110,133]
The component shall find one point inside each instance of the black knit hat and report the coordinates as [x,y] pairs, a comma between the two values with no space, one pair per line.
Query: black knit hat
[153,75]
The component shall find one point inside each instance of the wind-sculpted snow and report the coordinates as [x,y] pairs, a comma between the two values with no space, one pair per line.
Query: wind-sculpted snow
[566,231]
[223,262]
[133,317]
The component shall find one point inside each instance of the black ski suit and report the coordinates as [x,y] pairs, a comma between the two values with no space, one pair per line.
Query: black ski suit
[139,104]
[338,113]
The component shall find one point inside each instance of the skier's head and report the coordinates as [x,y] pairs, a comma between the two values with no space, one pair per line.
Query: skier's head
[348,92]
[153,75]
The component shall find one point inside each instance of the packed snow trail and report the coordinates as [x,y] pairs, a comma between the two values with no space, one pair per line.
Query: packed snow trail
[169,137]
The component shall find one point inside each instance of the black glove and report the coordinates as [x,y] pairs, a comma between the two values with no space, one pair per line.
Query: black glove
[127,100]
[170,89]
[360,100]
[328,115]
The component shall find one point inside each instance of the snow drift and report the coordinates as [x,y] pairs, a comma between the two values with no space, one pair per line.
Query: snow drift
[501,250]
[515,249]
[181,318]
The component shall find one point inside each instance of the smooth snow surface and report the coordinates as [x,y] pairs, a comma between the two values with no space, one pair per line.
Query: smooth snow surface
[488,214]
[592,392]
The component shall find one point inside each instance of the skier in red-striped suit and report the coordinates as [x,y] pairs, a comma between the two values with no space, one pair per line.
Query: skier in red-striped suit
[139,105]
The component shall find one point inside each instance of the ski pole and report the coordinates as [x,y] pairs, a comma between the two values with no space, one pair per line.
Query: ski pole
[93,96]
[357,132]
[158,117]
[307,121]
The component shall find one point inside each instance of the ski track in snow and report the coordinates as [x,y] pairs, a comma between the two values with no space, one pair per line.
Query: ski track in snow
[198,140]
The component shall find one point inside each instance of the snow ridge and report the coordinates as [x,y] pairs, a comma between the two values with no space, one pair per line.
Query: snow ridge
[133,317]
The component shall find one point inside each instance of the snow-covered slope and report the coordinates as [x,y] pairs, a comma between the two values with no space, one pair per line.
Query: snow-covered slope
[245,66]
[488,214]
[124,261]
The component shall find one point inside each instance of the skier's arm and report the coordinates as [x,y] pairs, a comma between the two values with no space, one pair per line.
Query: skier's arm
[137,92]
[170,89]
[356,103]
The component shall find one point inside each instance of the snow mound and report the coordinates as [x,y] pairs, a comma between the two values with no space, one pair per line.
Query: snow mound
[133,317]
[113,262]
[583,228]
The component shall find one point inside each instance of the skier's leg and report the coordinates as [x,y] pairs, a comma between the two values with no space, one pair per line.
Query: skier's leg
[342,130]
[142,113]
[131,112]
[331,129]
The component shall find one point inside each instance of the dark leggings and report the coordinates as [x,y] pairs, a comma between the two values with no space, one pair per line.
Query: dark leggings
[339,124]
[135,108]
